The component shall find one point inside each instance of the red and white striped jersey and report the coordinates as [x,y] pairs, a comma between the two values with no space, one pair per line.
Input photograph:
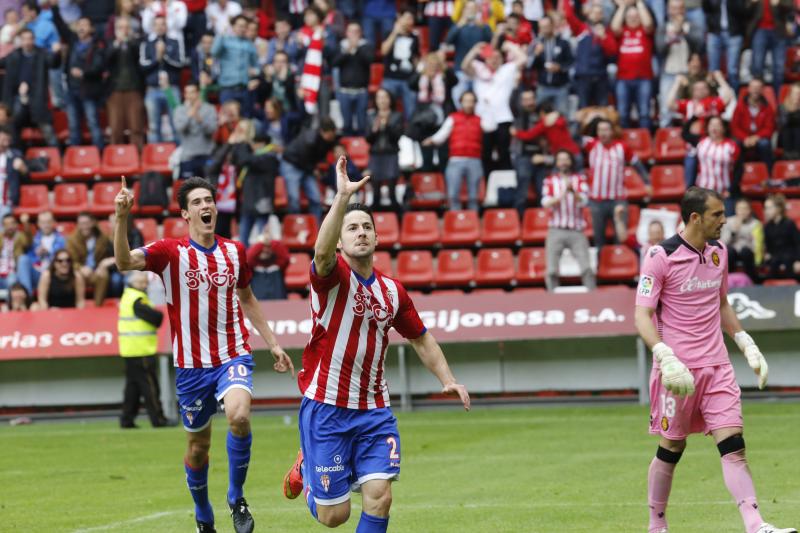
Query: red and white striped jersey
[204,313]
[716,161]
[711,106]
[343,361]
[607,169]
[568,213]
[439,8]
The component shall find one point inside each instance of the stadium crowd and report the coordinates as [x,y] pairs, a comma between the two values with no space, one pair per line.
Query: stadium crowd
[256,96]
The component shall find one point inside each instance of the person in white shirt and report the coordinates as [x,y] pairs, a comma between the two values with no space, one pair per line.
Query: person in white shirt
[174,11]
[220,14]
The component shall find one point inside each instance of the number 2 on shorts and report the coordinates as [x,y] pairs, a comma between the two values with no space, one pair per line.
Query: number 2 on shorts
[393,452]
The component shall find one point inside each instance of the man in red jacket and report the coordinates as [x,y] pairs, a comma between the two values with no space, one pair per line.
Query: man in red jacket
[754,123]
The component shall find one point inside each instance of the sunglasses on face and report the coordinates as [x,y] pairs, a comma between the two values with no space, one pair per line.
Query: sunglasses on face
[62,260]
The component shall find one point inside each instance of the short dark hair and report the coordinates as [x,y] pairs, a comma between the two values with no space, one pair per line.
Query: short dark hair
[571,157]
[465,93]
[26,30]
[694,201]
[192,184]
[209,33]
[327,124]
[33,5]
[9,215]
[360,207]
[546,106]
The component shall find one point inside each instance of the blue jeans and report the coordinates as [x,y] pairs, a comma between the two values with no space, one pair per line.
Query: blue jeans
[525,173]
[56,76]
[664,85]
[353,106]
[246,223]
[630,92]
[401,90]
[467,167]
[592,90]
[766,41]
[295,177]
[731,45]
[156,103]
[437,27]
[558,95]
[26,274]
[77,107]
[377,27]
[697,17]
[659,9]
[242,96]
[690,170]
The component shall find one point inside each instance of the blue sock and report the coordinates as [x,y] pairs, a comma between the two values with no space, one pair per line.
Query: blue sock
[238,461]
[197,479]
[372,524]
[312,504]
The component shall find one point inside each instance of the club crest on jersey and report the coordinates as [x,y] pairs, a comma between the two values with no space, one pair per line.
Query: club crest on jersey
[715,258]
[364,302]
[664,423]
[198,276]
[325,479]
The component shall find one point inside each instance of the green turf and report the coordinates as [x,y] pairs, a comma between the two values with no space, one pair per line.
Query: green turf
[531,469]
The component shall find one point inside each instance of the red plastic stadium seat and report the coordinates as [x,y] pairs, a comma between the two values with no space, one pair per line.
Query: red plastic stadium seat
[780,283]
[640,141]
[299,231]
[33,199]
[419,229]
[784,170]
[298,273]
[532,266]
[382,262]
[175,228]
[429,190]
[53,162]
[617,263]
[454,268]
[495,267]
[464,194]
[460,228]
[415,268]
[65,228]
[80,163]
[69,199]
[155,157]
[281,196]
[174,207]
[634,185]
[792,70]
[753,177]
[500,227]
[534,225]
[148,228]
[670,146]
[357,150]
[388,229]
[375,77]
[668,182]
[120,160]
[103,195]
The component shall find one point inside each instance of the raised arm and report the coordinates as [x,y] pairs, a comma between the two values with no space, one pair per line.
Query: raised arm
[325,247]
[466,63]
[431,355]
[252,310]
[618,19]
[123,256]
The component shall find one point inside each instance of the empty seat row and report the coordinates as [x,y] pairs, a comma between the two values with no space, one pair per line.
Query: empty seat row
[86,162]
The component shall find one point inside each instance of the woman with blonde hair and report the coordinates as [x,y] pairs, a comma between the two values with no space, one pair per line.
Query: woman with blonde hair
[789,123]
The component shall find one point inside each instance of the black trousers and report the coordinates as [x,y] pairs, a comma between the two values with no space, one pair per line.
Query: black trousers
[141,382]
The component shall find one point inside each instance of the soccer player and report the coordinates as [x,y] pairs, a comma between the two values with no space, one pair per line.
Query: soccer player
[207,280]
[684,283]
[348,434]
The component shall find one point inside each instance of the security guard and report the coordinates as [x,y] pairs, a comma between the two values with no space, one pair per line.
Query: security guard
[138,342]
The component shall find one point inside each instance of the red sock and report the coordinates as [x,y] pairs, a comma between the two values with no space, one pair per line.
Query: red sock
[740,484]
[659,483]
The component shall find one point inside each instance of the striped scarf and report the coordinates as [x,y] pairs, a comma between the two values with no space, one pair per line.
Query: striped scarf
[312,71]
[432,90]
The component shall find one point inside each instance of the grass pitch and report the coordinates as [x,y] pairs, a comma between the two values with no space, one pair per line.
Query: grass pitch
[531,469]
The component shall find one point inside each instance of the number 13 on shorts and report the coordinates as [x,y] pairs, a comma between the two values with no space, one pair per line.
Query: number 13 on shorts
[667,411]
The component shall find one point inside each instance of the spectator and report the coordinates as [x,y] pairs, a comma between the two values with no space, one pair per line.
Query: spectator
[463,130]
[84,67]
[93,254]
[524,151]
[19,299]
[299,163]
[175,16]
[768,28]
[487,11]
[128,10]
[161,59]
[269,259]
[276,124]
[743,236]
[25,87]
[552,58]
[564,194]
[754,123]
[8,33]
[278,82]
[528,11]
[702,103]
[468,32]
[125,104]
[789,123]
[97,11]
[257,162]
[726,21]
[285,40]
[400,53]
[379,18]
[251,34]
[312,37]
[46,242]
[60,285]
[675,42]
[329,178]
[718,160]
[494,82]
[196,22]
[45,37]
[433,83]
[385,128]
[196,123]
[633,26]
[655,234]
[517,30]
[14,242]
[439,14]
[594,50]
[353,58]
[222,172]
[205,68]
[238,65]
[221,14]
[781,239]
[607,157]
[554,128]
[229,117]
[12,172]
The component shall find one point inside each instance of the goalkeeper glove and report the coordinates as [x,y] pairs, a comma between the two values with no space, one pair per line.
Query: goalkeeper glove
[754,356]
[674,375]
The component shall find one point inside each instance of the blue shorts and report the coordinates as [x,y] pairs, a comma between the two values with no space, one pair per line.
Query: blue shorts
[345,448]
[200,389]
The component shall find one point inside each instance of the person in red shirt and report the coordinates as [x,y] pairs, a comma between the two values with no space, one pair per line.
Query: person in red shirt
[633,26]
[702,104]
[555,129]
[769,28]
[754,123]
[518,30]
[269,260]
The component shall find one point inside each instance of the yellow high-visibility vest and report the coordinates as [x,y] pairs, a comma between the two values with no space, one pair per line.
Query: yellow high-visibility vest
[137,337]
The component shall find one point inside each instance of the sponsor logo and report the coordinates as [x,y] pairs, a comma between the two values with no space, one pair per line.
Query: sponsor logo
[646,285]
[664,423]
[715,258]
[366,302]
[197,277]
[198,406]
[747,308]
[337,459]
[325,479]
[696,284]
[337,468]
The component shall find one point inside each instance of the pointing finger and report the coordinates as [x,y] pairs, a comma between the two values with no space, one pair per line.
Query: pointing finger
[124,184]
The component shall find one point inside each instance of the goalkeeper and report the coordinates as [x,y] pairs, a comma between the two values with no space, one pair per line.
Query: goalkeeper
[684,283]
